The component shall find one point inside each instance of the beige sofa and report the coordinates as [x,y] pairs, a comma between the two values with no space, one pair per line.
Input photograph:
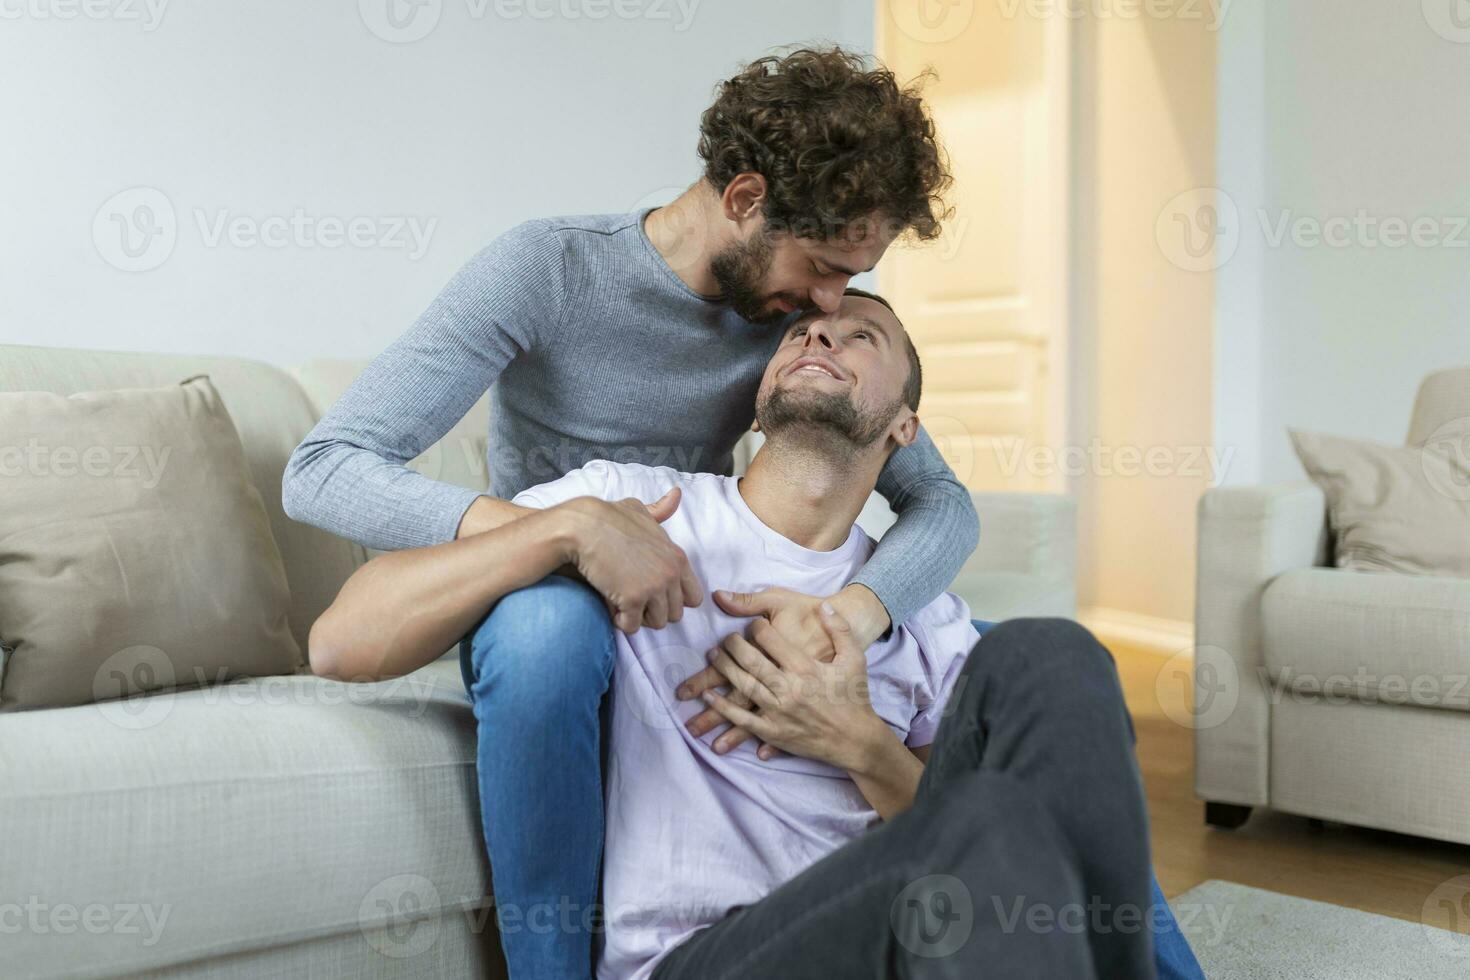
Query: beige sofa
[1335,694]
[293,826]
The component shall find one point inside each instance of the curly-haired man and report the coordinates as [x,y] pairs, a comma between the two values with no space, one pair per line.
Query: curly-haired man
[641,338]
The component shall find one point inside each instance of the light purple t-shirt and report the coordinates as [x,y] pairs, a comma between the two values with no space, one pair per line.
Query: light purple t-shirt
[690,834]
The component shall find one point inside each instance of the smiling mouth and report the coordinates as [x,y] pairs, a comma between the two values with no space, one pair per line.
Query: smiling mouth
[814,366]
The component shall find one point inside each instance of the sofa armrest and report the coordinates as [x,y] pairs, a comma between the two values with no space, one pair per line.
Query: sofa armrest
[1247,536]
[1026,562]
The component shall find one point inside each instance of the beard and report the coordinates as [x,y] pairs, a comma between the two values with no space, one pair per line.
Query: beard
[739,270]
[823,417]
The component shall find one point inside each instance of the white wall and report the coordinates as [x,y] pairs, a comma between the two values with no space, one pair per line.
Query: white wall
[1143,112]
[1326,115]
[504,110]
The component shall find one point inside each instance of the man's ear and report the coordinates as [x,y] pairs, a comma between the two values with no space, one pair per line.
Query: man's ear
[743,198]
[906,430]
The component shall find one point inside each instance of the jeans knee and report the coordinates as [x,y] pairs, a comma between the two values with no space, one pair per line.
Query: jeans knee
[989,824]
[550,640]
[1049,646]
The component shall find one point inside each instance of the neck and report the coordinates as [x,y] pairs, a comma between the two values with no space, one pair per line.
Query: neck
[688,232]
[810,494]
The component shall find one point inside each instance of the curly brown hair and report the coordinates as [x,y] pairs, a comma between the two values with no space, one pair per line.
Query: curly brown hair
[838,140]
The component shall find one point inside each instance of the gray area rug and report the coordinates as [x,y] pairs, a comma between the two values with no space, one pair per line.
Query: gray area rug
[1242,933]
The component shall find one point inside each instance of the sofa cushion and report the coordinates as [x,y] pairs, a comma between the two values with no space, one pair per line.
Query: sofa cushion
[135,554]
[1442,409]
[240,817]
[1335,634]
[1393,508]
[272,415]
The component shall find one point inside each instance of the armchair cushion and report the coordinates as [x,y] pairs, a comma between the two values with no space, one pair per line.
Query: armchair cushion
[1392,508]
[1332,634]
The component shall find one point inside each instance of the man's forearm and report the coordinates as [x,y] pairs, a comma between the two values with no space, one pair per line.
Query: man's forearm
[936,531]
[885,771]
[401,610]
[488,513]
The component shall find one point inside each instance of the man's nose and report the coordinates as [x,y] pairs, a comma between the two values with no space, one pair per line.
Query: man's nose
[817,335]
[828,297]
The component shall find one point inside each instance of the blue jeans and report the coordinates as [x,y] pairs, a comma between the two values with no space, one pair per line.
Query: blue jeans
[537,669]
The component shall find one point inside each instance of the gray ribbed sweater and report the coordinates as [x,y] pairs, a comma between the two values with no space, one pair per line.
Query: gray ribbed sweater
[590,347]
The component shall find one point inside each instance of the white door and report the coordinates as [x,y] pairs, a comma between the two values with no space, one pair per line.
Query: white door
[986,304]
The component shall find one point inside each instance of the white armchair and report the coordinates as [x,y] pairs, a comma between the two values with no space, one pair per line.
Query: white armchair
[1326,692]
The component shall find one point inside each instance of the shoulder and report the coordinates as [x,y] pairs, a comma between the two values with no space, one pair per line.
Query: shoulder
[572,237]
[638,480]
[524,256]
[552,240]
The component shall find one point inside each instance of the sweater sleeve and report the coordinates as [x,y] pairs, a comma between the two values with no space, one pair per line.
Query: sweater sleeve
[936,530]
[349,475]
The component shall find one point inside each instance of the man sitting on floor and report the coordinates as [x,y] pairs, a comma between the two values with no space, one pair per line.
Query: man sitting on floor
[1000,772]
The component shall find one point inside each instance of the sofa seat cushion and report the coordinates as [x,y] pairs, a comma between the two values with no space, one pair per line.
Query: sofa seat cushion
[1368,636]
[200,823]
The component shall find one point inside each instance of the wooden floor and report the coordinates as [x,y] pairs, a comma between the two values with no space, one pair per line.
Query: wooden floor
[1390,874]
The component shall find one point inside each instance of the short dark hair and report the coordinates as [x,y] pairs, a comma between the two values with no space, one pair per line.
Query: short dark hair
[837,139]
[914,386]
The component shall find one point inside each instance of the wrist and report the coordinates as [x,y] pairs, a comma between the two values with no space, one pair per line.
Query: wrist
[864,612]
[871,748]
[564,527]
